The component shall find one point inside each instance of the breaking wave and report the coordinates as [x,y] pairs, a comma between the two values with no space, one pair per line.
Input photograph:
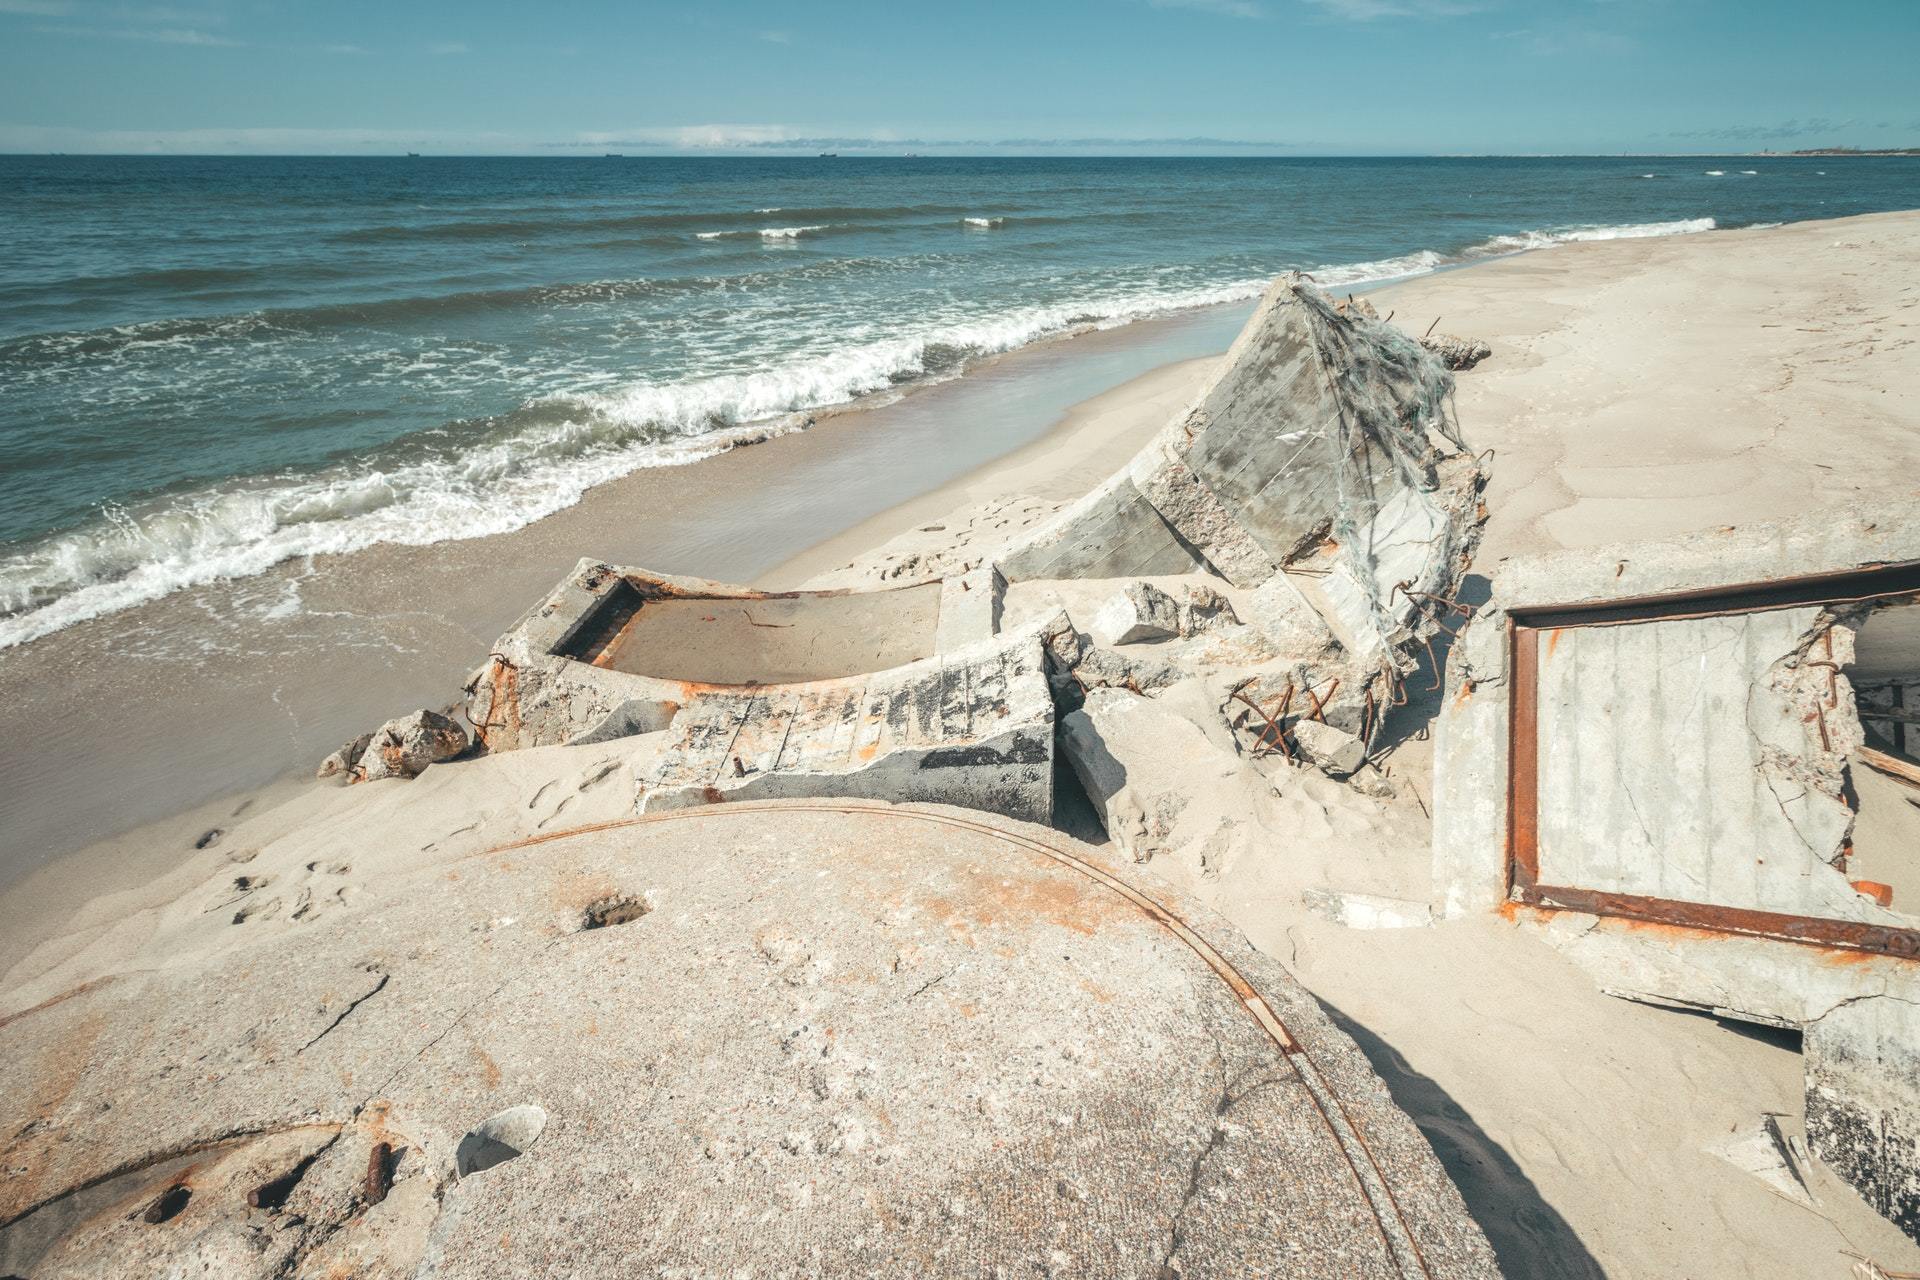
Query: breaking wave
[984,224]
[480,477]
[523,465]
[1569,235]
[765,233]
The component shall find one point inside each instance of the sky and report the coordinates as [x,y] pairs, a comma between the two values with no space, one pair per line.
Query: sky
[1240,77]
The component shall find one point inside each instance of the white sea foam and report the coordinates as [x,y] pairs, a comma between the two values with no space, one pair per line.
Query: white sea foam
[1751,173]
[1716,173]
[765,233]
[1566,235]
[567,445]
[985,224]
[555,448]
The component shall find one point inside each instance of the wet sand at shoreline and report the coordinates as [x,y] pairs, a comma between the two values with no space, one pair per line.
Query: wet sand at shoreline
[215,691]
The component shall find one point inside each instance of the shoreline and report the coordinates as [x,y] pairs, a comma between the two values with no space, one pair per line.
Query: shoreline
[213,693]
[777,513]
[1638,390]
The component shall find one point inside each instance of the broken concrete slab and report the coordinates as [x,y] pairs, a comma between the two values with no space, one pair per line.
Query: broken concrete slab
[1322,447]
[1161,786]
[1140,613]
[1863,1101]
[405,746]
[1204,610]
[343,762]
[1334,751]
[972,728]
[853,1109]
[970,608]
[1367,910]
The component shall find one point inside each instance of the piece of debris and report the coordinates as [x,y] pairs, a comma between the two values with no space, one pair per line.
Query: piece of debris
[1367,910]
[403,748]
[1334,751]
[1204,610]
[1458,354]
[1770,1154]
[346,759]
[1139,614]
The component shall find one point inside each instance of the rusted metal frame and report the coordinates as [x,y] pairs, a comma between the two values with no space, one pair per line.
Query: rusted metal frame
[1853,586]
[1523,759]
[1523,764]
[1817,931]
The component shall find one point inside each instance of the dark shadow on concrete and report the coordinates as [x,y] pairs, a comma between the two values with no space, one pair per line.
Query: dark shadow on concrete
[1426,686]
[1073,810]
[1530,1238]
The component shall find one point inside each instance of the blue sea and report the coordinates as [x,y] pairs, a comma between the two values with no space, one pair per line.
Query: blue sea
[210,365]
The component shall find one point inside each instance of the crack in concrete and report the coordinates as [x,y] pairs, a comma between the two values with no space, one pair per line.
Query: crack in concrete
[378,987]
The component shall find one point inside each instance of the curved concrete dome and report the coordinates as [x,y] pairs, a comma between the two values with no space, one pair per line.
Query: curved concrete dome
[792,1038]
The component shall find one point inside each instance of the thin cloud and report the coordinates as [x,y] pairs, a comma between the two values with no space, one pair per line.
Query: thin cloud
[36,8]
[774,37]
[1225,8]
[151,35]
[1758,132]
[344,48]
[1373,10]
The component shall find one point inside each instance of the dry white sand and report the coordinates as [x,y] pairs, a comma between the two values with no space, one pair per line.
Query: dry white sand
[1636,388]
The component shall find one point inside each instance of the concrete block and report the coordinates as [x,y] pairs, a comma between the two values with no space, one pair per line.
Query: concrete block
[1333,751]
[1863,1102]
[970,608]
[1367,910]
[1140,614]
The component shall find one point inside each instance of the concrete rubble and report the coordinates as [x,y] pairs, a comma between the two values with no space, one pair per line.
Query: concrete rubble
[400,748]
[1296,536]
[1655,751]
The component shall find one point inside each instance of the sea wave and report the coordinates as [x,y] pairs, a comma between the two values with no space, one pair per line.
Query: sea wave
[479,478]
[528,464]
[540,223]
[765,233]
[1569,235]
[983,224]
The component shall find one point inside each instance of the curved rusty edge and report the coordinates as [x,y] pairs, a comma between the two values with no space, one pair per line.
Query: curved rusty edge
[1346,1135]
[92,984]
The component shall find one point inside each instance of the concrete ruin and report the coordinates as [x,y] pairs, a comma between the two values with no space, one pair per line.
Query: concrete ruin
[1687,763]
[1294,539]
[922,1043]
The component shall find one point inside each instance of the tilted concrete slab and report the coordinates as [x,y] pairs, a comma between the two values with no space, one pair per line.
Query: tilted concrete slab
[769,1039]
[1323,443]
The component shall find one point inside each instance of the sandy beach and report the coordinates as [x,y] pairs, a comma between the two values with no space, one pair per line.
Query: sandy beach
[1636,388]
